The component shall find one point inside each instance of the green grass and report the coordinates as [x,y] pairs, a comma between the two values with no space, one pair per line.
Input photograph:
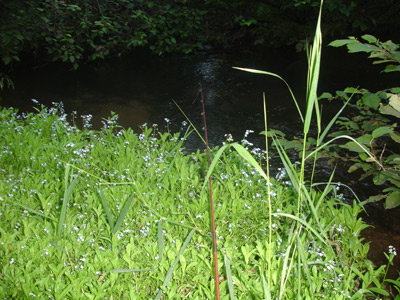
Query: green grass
[112,214]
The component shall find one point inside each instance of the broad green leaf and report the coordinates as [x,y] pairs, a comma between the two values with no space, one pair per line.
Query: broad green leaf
[364,139]
[370,126]
[393,200]
[353,125]
[290,144]
[352,90]
[389,110]
[379,179]
[395,90]
[379,291]
[369,38]
[364,156]
[358,47]
[371,100]
[340,43]
[391,68]
[353,168]
[381,131]
[394,101]
[273,132]
[375,198]
[325,96]
[395,136]
[352,146]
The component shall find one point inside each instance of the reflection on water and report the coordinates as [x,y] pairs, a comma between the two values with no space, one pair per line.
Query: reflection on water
[140,89]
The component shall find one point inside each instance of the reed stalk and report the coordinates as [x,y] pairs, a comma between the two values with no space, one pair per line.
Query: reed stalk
[214,236]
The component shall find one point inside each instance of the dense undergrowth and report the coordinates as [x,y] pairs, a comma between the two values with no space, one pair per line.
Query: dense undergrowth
[113,214]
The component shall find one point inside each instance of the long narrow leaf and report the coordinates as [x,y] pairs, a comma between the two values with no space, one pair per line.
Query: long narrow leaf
[122,215]
[247,156]
[172,268]
[333,120]
[229,277]
[305,267]
[267,294]
[109,215]
[214,163]
[349,138]
[303,222]
[67,196]
[32,211]
[277,76]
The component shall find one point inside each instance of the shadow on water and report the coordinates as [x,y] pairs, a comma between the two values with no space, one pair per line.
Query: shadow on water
[140,89]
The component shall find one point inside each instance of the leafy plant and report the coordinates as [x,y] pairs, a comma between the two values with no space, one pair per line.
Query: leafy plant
[374,122]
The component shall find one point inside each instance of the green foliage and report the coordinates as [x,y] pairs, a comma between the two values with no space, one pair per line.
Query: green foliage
[105,252]
[5,80]
[80,31]
[381,52]
[374,122]
[370,127]
[307,216]
[86,30]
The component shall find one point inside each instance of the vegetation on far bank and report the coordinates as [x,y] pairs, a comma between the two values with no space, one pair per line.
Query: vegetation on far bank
[79,31]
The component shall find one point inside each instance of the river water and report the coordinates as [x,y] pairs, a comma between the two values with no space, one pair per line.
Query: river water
[140,89]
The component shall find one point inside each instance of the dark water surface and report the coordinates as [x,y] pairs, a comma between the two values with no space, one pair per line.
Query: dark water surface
[140,89]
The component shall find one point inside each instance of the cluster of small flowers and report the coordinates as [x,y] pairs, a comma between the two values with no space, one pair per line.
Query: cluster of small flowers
[228,137]
[392,250]
[87,121]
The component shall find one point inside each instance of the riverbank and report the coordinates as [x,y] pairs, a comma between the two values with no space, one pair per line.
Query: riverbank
[117,214]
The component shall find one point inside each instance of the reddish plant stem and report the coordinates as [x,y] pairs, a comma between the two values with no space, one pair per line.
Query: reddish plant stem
[214,236]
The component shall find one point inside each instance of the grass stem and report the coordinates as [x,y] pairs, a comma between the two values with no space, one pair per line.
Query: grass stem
[214,236]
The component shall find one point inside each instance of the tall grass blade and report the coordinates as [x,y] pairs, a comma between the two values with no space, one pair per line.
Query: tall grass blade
[190,122]
[172,268]
[160,240]
[269,258]
[55,245]
[328,188]
[38,213]
[303,222]
[243,152]
[313,76]
[333,120]
[304,266]
[267,294]
[122,215]
[229,278]
[365,150]
[277,76]
[109,215]
[67,195]
[287,266]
